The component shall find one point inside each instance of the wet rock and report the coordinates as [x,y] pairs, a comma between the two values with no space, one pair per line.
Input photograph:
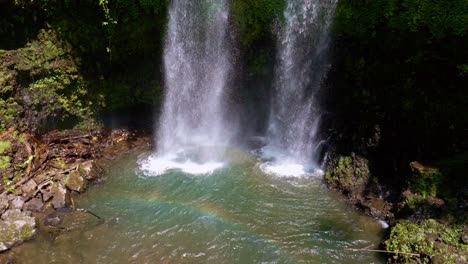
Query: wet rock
[90,170]
[15,227]
[16,203]
[376,207]
[29,186]
[349,174]
[75,181]
[61,197]
[35,205]
[53,219]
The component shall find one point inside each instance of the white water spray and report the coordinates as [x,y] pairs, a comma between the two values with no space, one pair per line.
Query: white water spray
[193,131]
[302,63]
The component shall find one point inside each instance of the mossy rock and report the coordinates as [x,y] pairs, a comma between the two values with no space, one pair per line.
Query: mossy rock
[433,241]
[350,174]
[75,181]
[427,181]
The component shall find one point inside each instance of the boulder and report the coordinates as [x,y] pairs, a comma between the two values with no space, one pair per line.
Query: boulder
[3,203]
[75,182]
[35,205]
[61,197]
[16,203]
[29,186]
[53,219]
[349,174]
[46,195]
[15,227]
[90,170]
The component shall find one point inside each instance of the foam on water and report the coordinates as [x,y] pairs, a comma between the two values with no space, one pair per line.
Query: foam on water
[158,165]
[281,164]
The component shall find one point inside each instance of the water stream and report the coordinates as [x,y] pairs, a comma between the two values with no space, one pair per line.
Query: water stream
[237,214]
[302,62]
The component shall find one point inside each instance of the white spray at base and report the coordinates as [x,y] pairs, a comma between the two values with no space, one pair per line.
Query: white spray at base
[193,127]
[302,63]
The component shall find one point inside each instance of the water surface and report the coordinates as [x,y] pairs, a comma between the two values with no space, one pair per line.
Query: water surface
[238,214]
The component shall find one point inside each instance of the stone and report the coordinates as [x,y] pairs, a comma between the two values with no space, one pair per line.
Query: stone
[16,203]
[90,170]
[29,186]
[15,227]
[3,203]
[46,195]
[53,219]
[35,205]
[40,178]
[75,182]
[61,197]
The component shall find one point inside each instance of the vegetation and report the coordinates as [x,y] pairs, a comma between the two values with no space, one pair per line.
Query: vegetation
[436,243]
[396,92]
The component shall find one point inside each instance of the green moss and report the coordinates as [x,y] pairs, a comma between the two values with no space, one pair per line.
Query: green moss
[428,182]
[48,83]
[5,162]
[428,238]
[348,173]
[26,232]
[4,146]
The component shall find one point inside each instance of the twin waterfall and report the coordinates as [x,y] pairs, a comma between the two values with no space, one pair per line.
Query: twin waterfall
[197,66]
[193,130]
[302,62]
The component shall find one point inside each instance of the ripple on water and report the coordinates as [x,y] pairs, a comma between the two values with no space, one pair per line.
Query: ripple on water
[237,215]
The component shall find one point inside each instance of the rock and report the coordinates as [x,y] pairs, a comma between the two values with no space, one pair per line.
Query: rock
[349,174]
[53,219]
[75,182]
[90,170]
[3,203]
[61,197]
[15,227]
[29,186]
[40,178]
[46,195]
[35,205]
[16,203]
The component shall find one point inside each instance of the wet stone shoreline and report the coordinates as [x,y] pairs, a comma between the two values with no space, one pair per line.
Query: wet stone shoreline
[42,175]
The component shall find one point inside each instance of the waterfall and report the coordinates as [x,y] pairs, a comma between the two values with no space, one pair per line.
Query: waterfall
[302,63]
[192,129]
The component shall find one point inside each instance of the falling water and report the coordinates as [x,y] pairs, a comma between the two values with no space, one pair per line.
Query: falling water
[193,128]
[302,63]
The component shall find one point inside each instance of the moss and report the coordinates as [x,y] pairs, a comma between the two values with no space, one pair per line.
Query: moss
[4,146]
[47,85]
[5,162]
[26,232]
[428,238]
[348,173]
[427,181]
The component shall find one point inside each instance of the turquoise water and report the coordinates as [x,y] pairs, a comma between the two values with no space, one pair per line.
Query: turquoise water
[237,214]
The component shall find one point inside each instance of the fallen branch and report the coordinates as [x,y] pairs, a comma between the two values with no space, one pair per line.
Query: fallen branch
[382,251]
[91,213]
[41,186]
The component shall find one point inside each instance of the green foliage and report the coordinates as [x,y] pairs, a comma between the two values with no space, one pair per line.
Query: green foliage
[384,52]
[430,239]
[50,84]
[427,183]
[254,18]
[348,173]
[4,146]
[4,160]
